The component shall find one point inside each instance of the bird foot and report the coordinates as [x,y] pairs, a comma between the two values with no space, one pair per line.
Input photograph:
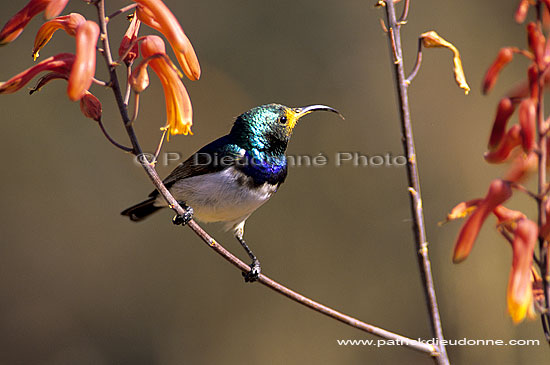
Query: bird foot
[254,272]
[185,217]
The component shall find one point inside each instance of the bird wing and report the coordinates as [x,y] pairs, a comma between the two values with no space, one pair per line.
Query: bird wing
[204,161]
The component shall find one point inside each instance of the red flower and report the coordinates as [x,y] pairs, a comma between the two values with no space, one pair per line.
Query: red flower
[17,23]
[505,110]
[61,63]
[522,166]
[83,70]
[69,23]
[90,106]
[537,43]
[521,11]
[527,121]
[507,216]
[503,58]
[499,192]
[511,140]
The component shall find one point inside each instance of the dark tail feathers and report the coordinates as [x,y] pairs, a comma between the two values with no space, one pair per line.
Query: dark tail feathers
[142,210]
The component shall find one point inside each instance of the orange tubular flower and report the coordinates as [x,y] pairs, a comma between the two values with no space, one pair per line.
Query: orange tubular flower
[129,37]
[157,15]
[499,192]
[17,23]
[83,70]
[536,43]
[50,76]
[521,11]
[179,113]
[533,76]
[520,291]
[503,58]
[61,63]
[522,166]
[90,106]
[54,8]
[527,121]
[511,140]
[507,216]
[69,23]
[504,112]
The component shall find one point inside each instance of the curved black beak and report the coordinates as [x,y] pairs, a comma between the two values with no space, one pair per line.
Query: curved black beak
[300,112]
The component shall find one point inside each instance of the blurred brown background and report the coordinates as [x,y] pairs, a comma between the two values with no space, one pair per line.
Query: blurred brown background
[82,285]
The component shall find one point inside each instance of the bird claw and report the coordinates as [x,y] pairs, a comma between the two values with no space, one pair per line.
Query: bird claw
[185,217]
[254,272]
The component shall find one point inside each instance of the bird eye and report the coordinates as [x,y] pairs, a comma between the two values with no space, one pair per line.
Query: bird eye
[282,120]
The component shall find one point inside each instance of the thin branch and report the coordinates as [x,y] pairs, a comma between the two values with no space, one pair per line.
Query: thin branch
[110,139]
[417,64]
[136,108]
[523,189]
[128,88]
[120,11]
[114,84]
[405,14]
[159,147]
[211,242]
[421,243]
[270,283]
[383,26]
[99,82]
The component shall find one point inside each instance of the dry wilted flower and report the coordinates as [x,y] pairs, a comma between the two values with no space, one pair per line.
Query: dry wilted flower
[433,40]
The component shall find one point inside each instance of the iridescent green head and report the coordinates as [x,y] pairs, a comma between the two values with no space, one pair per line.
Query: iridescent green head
[268,127]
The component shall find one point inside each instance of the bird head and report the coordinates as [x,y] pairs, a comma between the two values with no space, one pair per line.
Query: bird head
[269,127]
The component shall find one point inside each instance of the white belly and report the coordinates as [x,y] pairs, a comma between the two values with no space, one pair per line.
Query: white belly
[221,196]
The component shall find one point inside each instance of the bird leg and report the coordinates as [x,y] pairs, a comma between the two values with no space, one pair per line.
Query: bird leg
[185,217]
[255,268]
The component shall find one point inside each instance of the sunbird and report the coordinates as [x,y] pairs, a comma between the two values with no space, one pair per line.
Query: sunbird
[231,177]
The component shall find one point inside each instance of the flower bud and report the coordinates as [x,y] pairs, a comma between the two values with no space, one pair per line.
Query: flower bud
[505,110]
[521,11]
[91,106]
[527,121]
[511,140]
[505,55]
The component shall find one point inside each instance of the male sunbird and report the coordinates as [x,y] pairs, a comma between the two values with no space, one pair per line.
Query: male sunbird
[231,177]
